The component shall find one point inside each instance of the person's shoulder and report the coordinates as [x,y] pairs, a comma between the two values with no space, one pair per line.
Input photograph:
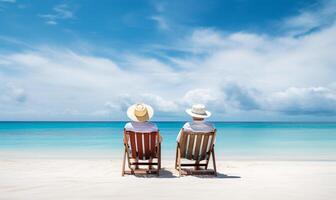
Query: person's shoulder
[209,124]
[128,125]
[152,125]
[186,125]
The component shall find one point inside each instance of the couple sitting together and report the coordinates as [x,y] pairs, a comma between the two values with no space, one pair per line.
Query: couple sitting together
[140,114]
[142,140]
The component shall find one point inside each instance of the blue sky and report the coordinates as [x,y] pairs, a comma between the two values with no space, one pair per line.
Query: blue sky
[246,60]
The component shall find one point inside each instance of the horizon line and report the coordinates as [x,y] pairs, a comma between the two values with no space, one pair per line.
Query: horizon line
[113,121]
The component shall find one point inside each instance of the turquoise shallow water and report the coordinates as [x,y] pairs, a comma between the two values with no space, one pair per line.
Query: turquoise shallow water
[289,141]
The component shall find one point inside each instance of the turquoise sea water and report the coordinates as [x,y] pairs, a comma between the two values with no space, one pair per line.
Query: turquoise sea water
[266,140]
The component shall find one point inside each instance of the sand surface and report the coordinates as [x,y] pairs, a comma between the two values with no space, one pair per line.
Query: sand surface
[101,179]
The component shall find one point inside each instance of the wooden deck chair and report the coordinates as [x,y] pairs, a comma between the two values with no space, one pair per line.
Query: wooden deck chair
[142,149]
[197,148]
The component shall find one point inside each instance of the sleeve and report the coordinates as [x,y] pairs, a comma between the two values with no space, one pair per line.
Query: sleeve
[213,126]
[186,126]
[155,128]
[128,126]
[210,126]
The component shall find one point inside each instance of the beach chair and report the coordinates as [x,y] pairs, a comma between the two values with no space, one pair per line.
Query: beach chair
[197,149]
[142,149]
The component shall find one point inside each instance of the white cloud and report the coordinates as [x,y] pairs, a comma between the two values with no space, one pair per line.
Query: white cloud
[235,74]
[160,104]
[10,93]
[159,18]
[241,97]
[51,22]
[311,101]
[63,11]
[60,12]
[161,22]
[199,96]
[315,17]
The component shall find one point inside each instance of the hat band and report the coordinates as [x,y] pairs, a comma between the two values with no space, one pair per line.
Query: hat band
[198,113]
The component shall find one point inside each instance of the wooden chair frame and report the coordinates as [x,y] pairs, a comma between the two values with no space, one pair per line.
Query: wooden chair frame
[197,148]
[141,149]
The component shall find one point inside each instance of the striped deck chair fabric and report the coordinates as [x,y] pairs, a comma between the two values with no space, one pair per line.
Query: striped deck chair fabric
[195,147]
[145,147]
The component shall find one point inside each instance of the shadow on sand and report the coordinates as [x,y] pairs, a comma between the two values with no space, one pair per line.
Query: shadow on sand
[164,173]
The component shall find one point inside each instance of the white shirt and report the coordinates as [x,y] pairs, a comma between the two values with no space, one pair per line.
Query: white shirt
[197,127]
[141,127]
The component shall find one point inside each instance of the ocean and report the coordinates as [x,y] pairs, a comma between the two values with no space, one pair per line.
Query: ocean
[235,140]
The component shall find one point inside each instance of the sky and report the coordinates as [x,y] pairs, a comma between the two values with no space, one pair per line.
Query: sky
[246,60]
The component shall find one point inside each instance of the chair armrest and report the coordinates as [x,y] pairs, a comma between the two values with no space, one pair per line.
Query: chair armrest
[125,140]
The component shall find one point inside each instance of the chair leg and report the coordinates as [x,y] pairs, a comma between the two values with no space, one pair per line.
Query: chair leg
[158,170]
[179,162]
[176,158]
[150,167]
[214,161]
[123,164]
[127,156]
[207,163]
[159,161]
[196,165]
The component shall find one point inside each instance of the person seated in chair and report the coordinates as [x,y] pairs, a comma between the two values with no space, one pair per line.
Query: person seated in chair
[140,114]
[197,125]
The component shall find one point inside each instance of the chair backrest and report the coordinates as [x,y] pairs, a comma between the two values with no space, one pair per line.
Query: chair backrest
[196,146]
[142,146]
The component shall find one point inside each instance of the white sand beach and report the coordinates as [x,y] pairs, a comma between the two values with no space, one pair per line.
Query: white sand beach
[101,179]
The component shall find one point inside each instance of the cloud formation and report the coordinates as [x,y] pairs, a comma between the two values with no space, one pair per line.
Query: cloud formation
[237,75]
[60,12]
[162,23]
[11,93]
[312,19]
[307,101]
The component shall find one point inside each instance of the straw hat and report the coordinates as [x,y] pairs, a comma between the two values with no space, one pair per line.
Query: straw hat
[198,110]
[140,112]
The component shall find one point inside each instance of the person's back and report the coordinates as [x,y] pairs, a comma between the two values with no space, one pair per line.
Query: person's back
[140,114]
[198,125]
[145,143]
[145,127]
[195,140]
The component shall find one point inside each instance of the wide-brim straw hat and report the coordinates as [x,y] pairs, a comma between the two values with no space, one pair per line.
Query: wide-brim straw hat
[140,112]
[198,111]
